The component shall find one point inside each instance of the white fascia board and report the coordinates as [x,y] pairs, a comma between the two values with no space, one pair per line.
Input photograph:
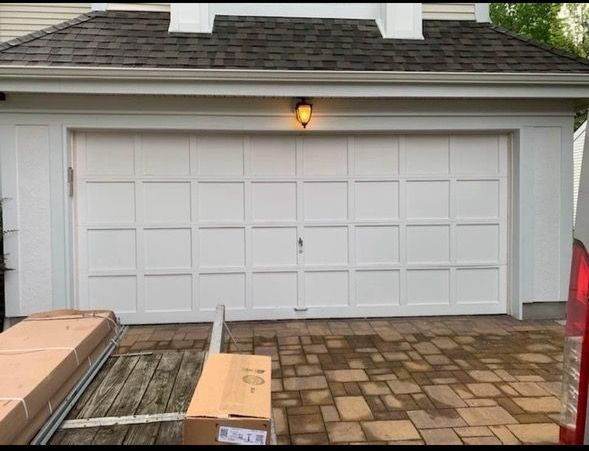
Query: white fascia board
[236,82]
[98,6]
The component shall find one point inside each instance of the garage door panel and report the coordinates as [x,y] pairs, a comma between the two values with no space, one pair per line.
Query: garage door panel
[221,202]
[427,199]
[168,293]
[165,155]
[228,289]
[477,243]
[326,289]
[108,154]
[326,201]
[273,202]
[118,293]
[377,288]
[222,248]
[377,200]
[325,156]
[274,246]
[475,155]
[275,289]
[377,245]
[169,225]
[477,199]
[428,286]
[167,202]
[376,155]
[326,246]
[477,285]
[111,250]
[428,244]
[168,249]
[273,156]
[426,155]
[110,203]
[220,155]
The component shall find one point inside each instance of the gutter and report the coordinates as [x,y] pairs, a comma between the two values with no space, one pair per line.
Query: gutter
[285,83]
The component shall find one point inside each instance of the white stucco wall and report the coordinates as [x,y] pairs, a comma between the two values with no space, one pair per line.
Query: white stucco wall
[34,156]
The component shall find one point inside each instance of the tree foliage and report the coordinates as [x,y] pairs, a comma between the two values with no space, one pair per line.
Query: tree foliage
[561,25]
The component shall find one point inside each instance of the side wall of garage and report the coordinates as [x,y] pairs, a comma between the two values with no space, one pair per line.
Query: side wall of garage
[35,152]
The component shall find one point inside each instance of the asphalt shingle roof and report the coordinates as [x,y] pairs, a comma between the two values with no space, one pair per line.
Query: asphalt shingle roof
[141,39]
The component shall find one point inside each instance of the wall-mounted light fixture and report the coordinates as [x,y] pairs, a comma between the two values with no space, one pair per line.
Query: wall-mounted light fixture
[303,111]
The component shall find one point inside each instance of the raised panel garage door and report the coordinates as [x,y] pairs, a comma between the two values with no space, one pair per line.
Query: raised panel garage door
[290,226]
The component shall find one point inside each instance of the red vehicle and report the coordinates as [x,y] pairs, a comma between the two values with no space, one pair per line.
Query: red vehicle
[574,429]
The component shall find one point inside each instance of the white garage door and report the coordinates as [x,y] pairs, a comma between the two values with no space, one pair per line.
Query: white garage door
[291,226]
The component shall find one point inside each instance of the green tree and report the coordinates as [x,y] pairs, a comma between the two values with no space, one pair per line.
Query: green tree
[562,25]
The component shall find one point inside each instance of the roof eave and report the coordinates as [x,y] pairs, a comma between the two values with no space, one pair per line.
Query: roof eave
[287,83]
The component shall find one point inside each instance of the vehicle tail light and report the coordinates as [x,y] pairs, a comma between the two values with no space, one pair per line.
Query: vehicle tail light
[576,361]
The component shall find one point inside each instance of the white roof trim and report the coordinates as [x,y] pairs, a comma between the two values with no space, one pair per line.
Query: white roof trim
[53,79]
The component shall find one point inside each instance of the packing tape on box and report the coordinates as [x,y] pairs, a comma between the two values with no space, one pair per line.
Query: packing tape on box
[52,348]
[76,316]
[24,403]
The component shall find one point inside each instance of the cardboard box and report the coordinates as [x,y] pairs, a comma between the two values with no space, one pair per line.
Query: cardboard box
[232,402]
[41,359]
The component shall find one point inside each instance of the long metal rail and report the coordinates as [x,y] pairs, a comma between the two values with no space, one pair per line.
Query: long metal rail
[55,420]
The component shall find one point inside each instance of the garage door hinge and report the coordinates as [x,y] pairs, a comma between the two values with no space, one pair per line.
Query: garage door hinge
[70,181]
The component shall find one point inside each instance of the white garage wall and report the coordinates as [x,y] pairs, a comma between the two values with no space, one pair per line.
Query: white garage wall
[542,134]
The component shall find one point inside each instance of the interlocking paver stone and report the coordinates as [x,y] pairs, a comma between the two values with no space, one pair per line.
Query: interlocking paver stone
[316,397]
[305,424]
[304,383]
[345,432]
[544,404]
[390,430]
[485,416]
[535,433]
[357,375]
[374,388]
[404,387]
[441,437]
[353,408]
[431,419]
[443,396]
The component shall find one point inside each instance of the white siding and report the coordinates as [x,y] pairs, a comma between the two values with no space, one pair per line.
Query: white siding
[579,141]
[449,11]
[138,6]
[17,19]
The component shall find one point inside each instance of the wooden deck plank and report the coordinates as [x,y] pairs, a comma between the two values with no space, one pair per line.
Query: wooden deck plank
[83,400]
[142,434]
[79,436]
[170,433]
[135,386]
[107,391]
[57,437]
[186,380]
[111,435]
[158,391]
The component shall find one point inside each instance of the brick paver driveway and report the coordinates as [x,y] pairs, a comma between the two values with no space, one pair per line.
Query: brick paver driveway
[442,380]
